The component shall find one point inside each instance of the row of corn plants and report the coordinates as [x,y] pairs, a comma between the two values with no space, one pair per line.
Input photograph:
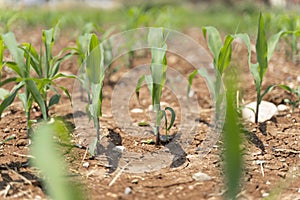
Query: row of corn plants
[36,71]
[221,52]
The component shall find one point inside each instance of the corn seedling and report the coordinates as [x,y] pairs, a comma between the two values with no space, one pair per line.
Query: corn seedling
[46,66]
[50,163]
[232,140]
[93,83]
[156,81]
[264,51]
[221,53]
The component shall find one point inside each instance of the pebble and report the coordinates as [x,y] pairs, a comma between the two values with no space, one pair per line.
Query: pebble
[191,187]
[282,107]
[201,177]
[127,190]
[191,93]
[86,164]
[119,149]
[135,181]
[137,110]
[111,195]
[265,194]
[266,111]
[6,130]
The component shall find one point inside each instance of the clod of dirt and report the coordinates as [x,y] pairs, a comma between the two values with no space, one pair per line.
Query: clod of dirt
[265,112]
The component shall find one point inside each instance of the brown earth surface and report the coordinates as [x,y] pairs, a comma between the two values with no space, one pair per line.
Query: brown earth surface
[271,149]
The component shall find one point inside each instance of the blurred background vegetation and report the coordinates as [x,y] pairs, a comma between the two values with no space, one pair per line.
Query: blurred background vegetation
[228,15]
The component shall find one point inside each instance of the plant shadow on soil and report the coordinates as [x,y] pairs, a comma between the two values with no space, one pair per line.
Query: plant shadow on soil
[113,155]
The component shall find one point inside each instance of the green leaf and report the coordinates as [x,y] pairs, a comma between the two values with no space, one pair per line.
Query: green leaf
[48,40]
[225,54]
[54,100]
[245,38]
[55,68]
[261,48]
[143,124]
[138,86]
[272,42]
[10,98]
[232,142]
[173,116]
[214,41]
[95,62]
[31,86]
[157,42]
[267,90]
[35,59]
[191,77]
[45,151]
[14,66]
[210,83]
[9,80]
[149,82]
[18,54]
[1,55]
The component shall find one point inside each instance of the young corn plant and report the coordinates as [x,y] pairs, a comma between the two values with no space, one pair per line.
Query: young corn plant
[156,81]
[22,79]
[93,83]
[264,51]
[36,86]
[44,149]
[221,53]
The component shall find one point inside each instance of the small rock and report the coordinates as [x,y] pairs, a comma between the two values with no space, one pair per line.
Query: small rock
[150,108]
[172,59]
[119,149]
[6,130]
[86,164]
[191,93]
[268,183]
[265,194]
[135,181]
[298,78]
[111,195]
[191,187]
[266,111]
[161,196]
[137,110]
[201,177]
[127,190]
[282,107]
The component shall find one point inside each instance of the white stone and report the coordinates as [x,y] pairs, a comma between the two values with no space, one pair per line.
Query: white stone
[119,149]
[266,111]
[137,110]
[86,164]
[201,177]
[265,194]
[127,190]
[282,107]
